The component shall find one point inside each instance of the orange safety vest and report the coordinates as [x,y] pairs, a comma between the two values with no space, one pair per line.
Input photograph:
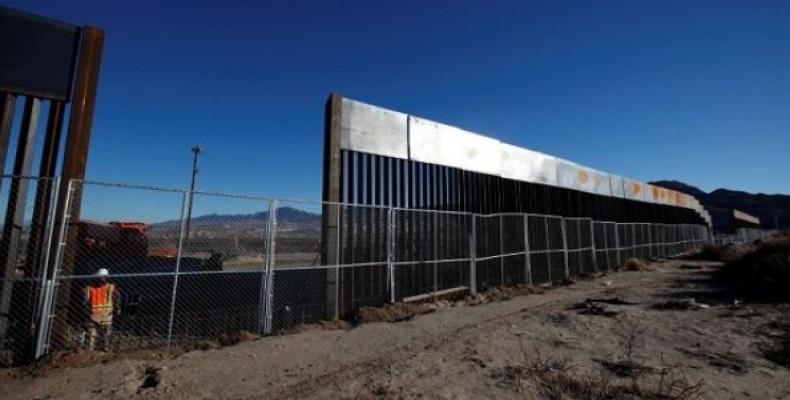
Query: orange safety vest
[101,302]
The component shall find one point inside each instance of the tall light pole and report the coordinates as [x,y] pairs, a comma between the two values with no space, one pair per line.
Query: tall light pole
[196,150]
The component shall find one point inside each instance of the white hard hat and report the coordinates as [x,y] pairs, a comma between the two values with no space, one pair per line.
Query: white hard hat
[102,272]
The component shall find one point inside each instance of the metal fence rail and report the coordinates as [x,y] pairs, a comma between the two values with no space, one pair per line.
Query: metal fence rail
[258,264]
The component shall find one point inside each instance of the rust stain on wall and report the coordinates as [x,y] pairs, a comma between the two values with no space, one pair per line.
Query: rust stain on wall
[582,177]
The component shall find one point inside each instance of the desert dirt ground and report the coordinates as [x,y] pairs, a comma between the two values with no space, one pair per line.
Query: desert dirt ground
[629,334]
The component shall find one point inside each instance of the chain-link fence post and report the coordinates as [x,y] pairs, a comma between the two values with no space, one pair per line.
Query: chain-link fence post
[179,256]
[527,258]
[58,262]
[501,251]
[617,244]
[473,255]
[337,262]
[650,250]
[46,299]
[564,229]
[592,245]
[391,253]
[435,253]
[270,261]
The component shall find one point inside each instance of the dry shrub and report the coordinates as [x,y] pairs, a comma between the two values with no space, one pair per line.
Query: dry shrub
[635,264]
[710,252]
[558,379]
[768,265]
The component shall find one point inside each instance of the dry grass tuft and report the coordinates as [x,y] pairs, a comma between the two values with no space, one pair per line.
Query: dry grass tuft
[558,379]
[625,379]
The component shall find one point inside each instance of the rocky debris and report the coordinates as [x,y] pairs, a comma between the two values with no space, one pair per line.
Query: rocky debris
[593,308]
[601,306]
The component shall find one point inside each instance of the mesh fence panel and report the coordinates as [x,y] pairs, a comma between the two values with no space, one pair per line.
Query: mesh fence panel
[514,256]
[538,239]
[430,252]
[299,291]
[578,233]
[558,261]
[489,264]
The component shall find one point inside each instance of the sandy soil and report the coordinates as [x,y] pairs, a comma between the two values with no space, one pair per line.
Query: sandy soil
[514,348]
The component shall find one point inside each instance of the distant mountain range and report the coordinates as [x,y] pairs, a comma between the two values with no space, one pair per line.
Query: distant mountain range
[772,209]
[294,221]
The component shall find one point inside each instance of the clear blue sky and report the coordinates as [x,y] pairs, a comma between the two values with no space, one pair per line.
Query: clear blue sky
[694,91]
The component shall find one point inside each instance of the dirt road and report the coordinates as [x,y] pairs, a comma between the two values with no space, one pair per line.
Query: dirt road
[650,343]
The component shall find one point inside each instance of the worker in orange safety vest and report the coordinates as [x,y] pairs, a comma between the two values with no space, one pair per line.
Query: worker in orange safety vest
[101,298]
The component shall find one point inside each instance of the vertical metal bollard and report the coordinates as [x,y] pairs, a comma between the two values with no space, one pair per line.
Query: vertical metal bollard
[579,243]
[179,255]
[549,248]
[527,258]
[473,255]
[565,246]
[270,260]
[391,252]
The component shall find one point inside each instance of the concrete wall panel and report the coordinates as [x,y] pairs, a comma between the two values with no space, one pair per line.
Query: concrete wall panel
[528,166]
[616,186]
[374,130]
[634,190]
[436,143]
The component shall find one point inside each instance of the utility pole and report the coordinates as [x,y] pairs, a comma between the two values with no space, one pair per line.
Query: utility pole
[196,150]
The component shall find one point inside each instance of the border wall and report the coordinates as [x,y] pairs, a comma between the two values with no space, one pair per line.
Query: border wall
[379,157]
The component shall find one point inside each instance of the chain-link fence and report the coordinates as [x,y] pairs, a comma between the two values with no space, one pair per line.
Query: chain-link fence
[743,235]
[173,266]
